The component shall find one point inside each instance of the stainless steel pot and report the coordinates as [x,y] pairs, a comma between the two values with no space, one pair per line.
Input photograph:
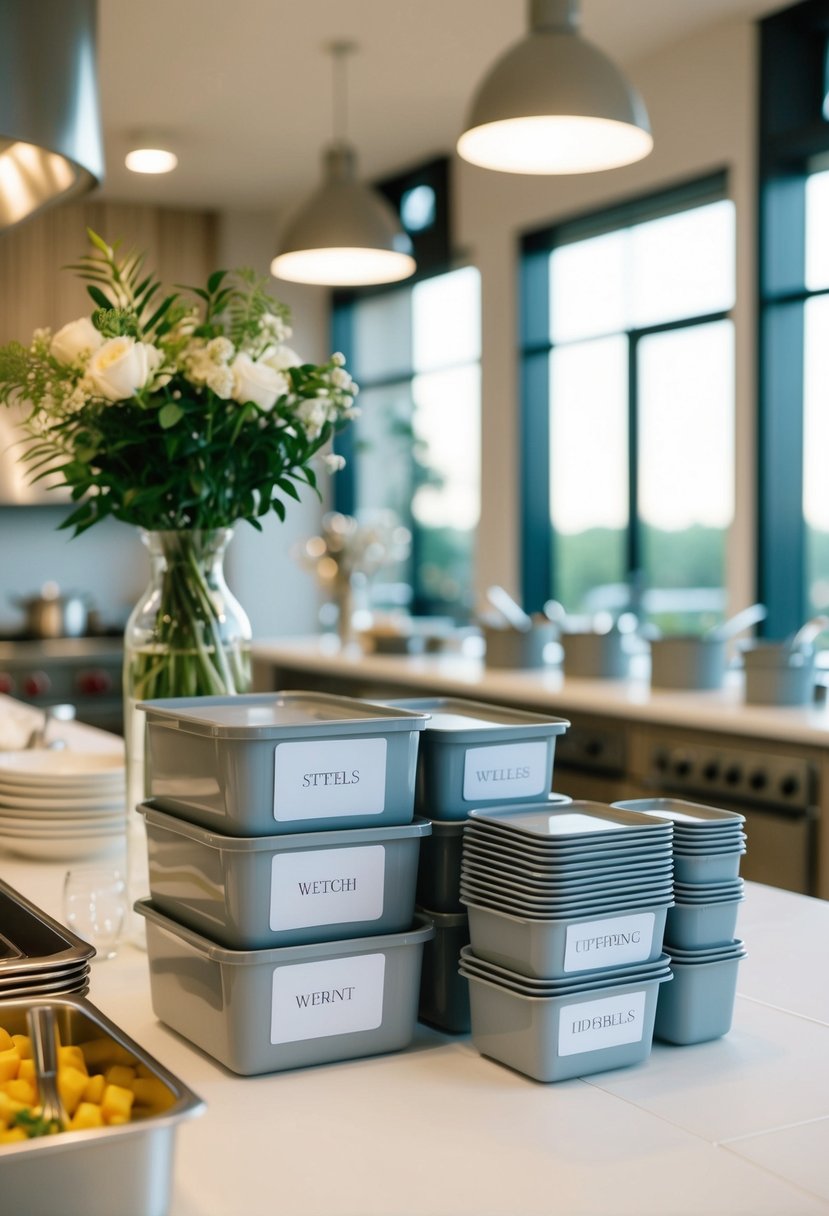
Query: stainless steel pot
[55,614]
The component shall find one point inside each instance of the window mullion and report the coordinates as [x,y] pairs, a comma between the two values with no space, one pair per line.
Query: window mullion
[634,540]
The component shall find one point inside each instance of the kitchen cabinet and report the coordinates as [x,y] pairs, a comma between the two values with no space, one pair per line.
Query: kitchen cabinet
[627,741]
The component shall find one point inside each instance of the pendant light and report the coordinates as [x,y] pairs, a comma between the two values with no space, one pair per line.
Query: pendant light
[50,129]
[345,234]
[554,103]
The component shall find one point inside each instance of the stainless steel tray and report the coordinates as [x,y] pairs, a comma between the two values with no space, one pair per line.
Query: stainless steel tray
[43,943]
[125,1169]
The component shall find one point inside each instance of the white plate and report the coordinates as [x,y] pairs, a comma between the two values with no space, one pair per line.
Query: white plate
[22,827]
[43,765]
[35,788]
[59,814]
[57,802]
[63,850]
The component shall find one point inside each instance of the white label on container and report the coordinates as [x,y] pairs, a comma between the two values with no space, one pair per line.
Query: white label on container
[334,996]
[510,770]
[593,1025]
[608,943]
[327,886]
[331,778]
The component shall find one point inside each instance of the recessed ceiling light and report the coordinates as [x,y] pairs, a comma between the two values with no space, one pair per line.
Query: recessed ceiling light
[150,158]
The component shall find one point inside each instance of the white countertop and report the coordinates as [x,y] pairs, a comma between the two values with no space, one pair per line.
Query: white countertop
[737,1127]
[722,711]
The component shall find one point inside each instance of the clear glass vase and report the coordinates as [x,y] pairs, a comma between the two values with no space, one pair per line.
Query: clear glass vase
[186,637]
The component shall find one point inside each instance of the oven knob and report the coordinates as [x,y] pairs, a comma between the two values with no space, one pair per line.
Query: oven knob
[789,786]
[593,748]
[6,682]
[711,770]
[682,766]
[36,684]
[660,760]
[733,774]
[94,683]
[758,780]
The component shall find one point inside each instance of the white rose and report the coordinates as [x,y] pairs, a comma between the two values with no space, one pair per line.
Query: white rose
[74,340]
[334,462]
[257,382]
[281,358]
[122,366]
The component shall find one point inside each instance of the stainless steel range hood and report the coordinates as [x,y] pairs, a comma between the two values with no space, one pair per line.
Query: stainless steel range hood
[50,130]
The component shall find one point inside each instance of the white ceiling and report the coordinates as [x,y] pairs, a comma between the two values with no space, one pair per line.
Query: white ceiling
[243,87]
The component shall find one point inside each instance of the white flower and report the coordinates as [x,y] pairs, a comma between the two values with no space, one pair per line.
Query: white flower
[280,358]
[256,382]
[275,326]
[221,380]
[220,349]
[120,367]
[333,462]
[340,378]
[76,340]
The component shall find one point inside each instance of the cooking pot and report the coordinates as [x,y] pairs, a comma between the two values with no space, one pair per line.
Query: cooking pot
[698,661]
[54,614]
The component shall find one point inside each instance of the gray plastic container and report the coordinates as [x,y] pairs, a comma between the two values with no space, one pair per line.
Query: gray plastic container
[126,1170]
[530,987]
[692,926]
[690,662]
[777,674]
[550,949]
[261,1011]
[258,892]
[473,754]
[444,992]
[555,1038]
[258,765]
[596,656]
[439,868]
[699,1005]
[707,867]
[514,649]
[688,818]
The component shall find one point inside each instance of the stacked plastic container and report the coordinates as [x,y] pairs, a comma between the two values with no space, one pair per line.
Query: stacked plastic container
[701,926]
[283,853]
[471,754]
[567,909]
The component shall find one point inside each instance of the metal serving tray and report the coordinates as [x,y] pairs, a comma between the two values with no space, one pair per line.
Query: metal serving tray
[44,944]
[125,1169]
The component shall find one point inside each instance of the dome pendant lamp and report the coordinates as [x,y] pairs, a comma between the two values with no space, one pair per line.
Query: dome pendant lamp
[50,127]
[345,234]
[554,103]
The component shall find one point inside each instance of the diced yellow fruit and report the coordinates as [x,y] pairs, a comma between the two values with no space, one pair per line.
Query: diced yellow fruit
[151,1092]
[6,1041]
[141,1070]
[115,1120]
[120,1074]
[26,1071]
[93,1091]
[71,1084]
[13,1135]
[72,1056]
[97,1051]
[87,1115]
[22,1091]
[24,1045]
[117,1103]
[9,1064]
[9,1107]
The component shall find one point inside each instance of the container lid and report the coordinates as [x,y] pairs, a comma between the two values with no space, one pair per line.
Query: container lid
[575,821]
[421,931]
[278,715]
[282,843]
[680,811]
[460,718]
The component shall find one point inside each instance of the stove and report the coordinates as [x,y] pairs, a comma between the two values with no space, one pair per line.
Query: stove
[85,672]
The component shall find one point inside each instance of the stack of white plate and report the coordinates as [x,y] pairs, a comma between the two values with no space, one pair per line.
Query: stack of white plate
[60,805]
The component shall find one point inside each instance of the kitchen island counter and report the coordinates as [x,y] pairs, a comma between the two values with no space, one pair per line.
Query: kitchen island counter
[737,1127]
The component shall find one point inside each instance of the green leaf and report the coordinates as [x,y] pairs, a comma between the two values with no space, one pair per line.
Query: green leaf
[170,414]
[215,280]
[98,296]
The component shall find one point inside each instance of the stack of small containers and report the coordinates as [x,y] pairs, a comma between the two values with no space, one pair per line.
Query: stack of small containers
[283,856]
[567,909]
[700,927]
[471,754]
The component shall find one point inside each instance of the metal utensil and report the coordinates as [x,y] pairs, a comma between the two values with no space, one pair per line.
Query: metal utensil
[737,623]
[807,633]
[61,713]
[40,1021]
[513,613]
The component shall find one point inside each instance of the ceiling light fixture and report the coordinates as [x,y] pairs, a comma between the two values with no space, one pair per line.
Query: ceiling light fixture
[554,103]
[345,234]
[150,154]
[50,128]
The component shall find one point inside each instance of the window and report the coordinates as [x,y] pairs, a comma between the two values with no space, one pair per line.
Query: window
[628,394]
[793,504]
[415,449]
